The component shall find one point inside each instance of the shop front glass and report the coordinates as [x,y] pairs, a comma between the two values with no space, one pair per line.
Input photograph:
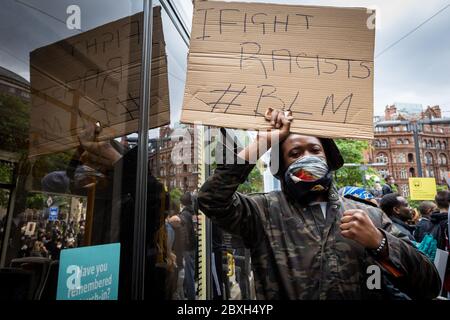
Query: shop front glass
[70,98]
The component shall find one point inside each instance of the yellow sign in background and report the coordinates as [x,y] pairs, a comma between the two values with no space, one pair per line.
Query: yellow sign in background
[422,188]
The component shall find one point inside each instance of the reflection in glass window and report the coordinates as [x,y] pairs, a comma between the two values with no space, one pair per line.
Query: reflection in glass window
[71,122]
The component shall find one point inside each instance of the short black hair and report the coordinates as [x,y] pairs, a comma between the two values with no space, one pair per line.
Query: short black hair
[425,207]
[442,199]
[186,199]
[388,177]
[388,202]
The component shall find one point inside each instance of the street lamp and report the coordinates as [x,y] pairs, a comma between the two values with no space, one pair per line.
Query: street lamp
[415,128]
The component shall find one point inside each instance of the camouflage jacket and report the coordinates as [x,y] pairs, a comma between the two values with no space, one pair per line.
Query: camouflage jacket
[297,254]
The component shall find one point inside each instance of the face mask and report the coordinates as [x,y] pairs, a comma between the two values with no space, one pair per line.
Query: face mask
[306,177]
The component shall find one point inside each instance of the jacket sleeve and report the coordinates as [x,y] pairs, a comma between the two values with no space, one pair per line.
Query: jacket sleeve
[234,212]
[416,274]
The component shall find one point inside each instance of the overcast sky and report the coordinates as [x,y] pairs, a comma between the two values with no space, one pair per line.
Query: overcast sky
[416,70]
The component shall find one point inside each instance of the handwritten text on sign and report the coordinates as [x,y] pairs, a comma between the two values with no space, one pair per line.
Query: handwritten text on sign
[314,61]
[95,76]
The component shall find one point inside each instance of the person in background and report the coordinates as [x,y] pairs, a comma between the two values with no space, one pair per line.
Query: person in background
[187,223]
[39,249]
[389,186]
[440,219]
[424,225]
[377,189]
[172,222]
[397,208]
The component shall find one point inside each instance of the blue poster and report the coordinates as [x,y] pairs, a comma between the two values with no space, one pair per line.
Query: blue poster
[53,213]
[89,273]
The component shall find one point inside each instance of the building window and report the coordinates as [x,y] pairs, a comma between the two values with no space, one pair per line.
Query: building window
[406,141]
[403,174]
[444,145]
[428,158]
[376,143]
[438,145]
[381,129]
[441,174]
[405,190]
[410,157]
[384,144]
[399,158]
[442,159]
[399,141]
[424,144]
[381,158]
[412,172]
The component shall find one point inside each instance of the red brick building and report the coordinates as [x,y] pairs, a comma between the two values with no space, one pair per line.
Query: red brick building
[394,146]
[164,163]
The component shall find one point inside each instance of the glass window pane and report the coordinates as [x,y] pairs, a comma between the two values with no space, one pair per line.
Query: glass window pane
[70,87]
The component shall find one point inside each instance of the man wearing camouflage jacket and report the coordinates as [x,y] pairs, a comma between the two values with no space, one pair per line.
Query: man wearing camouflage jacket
[313,244]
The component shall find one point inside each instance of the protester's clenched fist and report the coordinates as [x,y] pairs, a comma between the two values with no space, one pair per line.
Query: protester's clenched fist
[356,225]
[99,155]
[280,122]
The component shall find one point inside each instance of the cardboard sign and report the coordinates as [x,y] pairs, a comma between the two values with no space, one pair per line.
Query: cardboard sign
[440,262]
[95,76]
[30,229]
[314,61]
[422,188]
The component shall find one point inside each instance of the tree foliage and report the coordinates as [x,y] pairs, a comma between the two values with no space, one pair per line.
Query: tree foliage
[175,196]
[15,123]
[254,182]
[353,152]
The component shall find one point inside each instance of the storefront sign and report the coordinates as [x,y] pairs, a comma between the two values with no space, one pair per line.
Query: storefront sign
[95,77]
[422,188]
[89,273]
[314,61]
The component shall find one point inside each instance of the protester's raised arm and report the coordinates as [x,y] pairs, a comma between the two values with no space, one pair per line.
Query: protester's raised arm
[281,124]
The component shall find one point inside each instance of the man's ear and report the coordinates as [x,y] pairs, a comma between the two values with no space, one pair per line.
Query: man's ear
[396,210]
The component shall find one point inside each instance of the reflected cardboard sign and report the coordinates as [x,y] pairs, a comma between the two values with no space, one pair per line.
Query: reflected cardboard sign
[316,62]
[422,188]
[89,273]
[95,77]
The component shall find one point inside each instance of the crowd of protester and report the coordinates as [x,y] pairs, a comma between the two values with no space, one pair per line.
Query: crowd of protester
[50,238]
[426,225]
